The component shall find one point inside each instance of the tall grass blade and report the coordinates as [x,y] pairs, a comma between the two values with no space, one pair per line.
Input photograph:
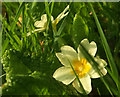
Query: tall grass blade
[17,16]
[5,44]
[12,41]
[14,37]
[62,26]
[52,6]
[8,8]
[106,48]
[31,9]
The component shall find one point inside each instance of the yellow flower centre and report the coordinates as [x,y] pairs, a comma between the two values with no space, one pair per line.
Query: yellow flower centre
[81,67]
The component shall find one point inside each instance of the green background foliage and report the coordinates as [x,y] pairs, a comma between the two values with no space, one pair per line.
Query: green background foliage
[28,65]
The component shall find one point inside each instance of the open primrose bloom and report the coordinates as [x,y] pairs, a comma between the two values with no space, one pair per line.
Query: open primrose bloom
[42,24]
[82,67]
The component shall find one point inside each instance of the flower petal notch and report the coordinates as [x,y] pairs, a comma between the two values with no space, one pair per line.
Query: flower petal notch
[81,66]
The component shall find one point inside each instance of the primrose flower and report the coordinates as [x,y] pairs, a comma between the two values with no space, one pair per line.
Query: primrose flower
[82,67]
[42,24]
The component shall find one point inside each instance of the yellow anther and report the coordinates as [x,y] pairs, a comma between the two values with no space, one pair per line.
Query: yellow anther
[81,67]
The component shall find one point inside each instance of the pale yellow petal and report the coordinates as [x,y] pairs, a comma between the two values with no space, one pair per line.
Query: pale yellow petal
[36,30]
[80,54]
[94,74]
[90,47]
[69,52]
[40,29]
[64,75]
[39,24]
[62,58]
[102,63]
[42,22]
[86,83]
[44,18]
[52,19]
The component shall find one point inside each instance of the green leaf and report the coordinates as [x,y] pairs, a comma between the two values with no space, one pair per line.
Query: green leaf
[14,66]
[80,29]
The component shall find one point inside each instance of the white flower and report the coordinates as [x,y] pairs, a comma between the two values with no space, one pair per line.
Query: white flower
[42,24]
[82,67]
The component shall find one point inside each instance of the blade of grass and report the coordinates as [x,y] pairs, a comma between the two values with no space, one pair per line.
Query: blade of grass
[48,13]
[0,36]
[8,8]
[17,39]
[31,20]
[12,41]
[106,48]
[17,16]
[48,23]
[98,91]
[14,36]
[31,9]
[5,44]
[8,27]
[2,75]
[23,22]
[58,33]
[52,6]
[23,39]
[62,26]
[34,42]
